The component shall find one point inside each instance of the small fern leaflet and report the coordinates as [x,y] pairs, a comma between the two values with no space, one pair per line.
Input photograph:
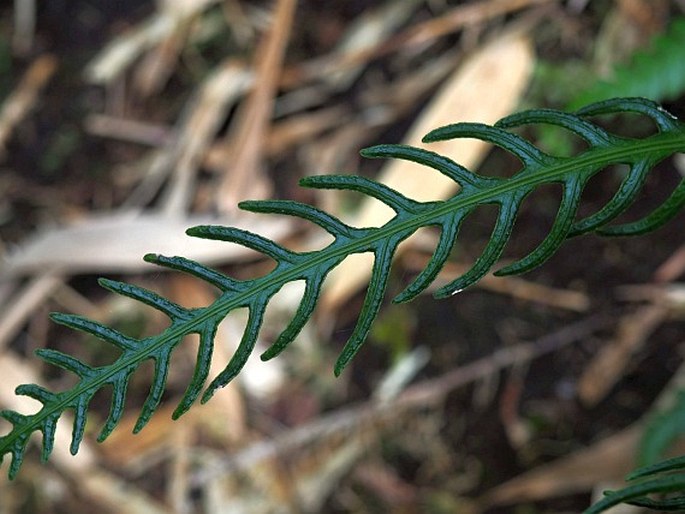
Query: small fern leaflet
[665,477]
[312,267]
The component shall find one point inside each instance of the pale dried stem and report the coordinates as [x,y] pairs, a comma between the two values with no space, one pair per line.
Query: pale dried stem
[24,304]
[193,135]
[17,106]
[120,53]
[610,363]
[128,130]
[416,35]
[244,170]
[511,286]
[24,26]
[373,415]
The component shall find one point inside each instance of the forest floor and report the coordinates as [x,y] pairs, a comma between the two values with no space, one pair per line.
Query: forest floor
[124,123]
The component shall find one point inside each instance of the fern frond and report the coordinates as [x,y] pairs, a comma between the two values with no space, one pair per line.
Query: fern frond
[312,267]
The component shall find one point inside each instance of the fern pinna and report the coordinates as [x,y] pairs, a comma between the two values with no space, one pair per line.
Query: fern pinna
[663,478]
[312,267]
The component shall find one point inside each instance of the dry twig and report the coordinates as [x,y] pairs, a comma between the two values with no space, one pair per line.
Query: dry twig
[374,414]
[23,99]
[515,287]
[244,170]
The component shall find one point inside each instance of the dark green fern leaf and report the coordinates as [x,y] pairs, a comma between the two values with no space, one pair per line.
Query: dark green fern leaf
[665,477]
[637,495]
[539,168]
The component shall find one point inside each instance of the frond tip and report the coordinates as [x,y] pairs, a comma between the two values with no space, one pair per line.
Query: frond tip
[507,194]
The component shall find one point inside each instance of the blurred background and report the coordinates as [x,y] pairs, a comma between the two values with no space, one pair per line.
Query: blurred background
[122,123]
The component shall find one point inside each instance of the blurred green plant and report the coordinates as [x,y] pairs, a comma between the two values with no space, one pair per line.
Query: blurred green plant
[662,429]
[392,331]
[657,72]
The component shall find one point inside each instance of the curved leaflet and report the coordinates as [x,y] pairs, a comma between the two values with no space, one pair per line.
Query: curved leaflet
[312,267]
[665,477]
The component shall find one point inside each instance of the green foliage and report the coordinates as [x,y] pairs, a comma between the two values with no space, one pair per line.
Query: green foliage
[662,478]
[666,477]
[662,429]
[657,72]
[393,329]
[312,267]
